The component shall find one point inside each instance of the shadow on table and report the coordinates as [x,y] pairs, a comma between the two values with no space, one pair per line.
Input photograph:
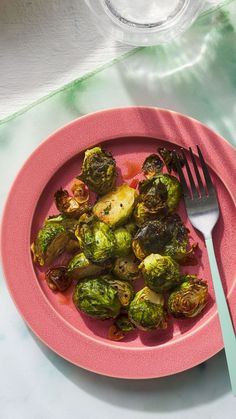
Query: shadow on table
[198,386]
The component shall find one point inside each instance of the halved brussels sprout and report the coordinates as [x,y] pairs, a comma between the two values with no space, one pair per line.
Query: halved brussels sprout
[121,327]
[98,171]
[151,238]
[173,188]
[116,207]
[50,243]
[161,273]
[69,205]
[123,244]
[146,311]
[189,298]
[126,268]
[124,289]
[97,240]
[58,279]
[152,166]
[97,298]
[80,267]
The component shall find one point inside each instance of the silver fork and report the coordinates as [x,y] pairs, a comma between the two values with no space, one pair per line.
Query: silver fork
[203,212]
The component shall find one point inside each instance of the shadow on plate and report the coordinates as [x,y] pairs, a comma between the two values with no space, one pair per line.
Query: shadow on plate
[173,393]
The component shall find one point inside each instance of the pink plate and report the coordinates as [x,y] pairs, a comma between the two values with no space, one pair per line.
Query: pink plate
[130,134]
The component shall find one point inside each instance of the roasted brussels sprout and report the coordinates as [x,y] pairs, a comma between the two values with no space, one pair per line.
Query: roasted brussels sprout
[173,188]
[161,273]
[80,191]
[98,171]
[69,205]
[152,201]
[189,299]
[50,243]
[97,241]
[167,237]
[126,268]
[146,311]
[142,214]
[152,166]
[178,246]
[97,298]
[121,327]
[123,244]
[58,279]
[169,159]
[116,207]
[151,238]
[124,289]
[80,267]
[154,194]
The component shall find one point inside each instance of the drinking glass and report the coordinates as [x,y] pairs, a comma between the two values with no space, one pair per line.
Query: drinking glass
[144,22]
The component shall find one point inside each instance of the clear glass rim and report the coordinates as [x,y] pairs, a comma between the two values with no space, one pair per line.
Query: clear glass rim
[144,35]
[121,20]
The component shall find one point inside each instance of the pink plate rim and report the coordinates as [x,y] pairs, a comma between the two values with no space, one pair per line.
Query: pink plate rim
[40,316]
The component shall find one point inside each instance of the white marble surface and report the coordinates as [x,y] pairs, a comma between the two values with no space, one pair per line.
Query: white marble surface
[34,382]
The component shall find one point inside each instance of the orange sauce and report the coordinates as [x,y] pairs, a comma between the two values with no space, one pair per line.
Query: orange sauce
[64,299]
[132,169]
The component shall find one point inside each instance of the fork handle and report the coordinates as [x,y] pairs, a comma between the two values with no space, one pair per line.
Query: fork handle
[227,328]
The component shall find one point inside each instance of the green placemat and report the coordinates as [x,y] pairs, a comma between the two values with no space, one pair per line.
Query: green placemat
[195,75]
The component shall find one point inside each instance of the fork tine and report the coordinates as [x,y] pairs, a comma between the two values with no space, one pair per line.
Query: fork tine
[181,176]
[206,173]
[190,176]
[200,184]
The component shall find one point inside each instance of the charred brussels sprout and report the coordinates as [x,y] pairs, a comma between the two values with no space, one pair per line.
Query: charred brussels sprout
[126,268]
[123,244]
[121,327]
[178,245]
[173,188]
[161,273]
[167,237]
[116,207]
[58,279]
[98,171]
[96,240]
[142,214]
[154,194]
[189,299]
[80,267]
[124,289]
[97,298]
[146,311]
[69,205]
[50,243]
[169,159]
[152,201]
[152,166]
[151,238]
